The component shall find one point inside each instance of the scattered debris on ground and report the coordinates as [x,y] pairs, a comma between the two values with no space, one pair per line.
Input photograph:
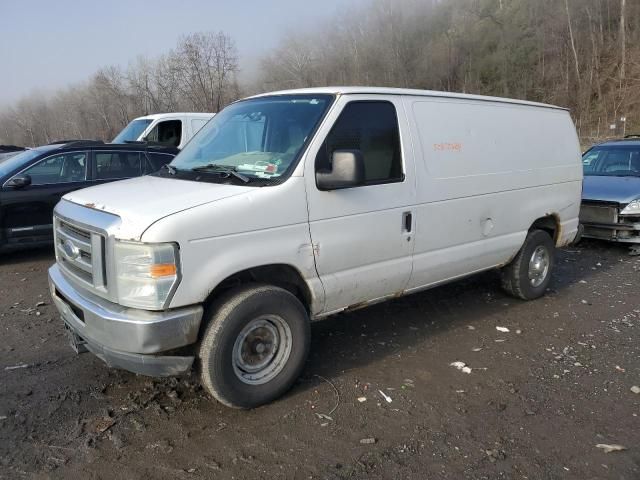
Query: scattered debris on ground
[541,403]
[610,448]
[461,366]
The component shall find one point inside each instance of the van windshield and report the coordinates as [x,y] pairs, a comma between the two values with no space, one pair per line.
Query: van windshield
[258,138]
[615,161]
[132,132]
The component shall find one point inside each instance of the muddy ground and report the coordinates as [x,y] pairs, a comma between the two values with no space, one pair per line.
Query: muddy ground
[538,400]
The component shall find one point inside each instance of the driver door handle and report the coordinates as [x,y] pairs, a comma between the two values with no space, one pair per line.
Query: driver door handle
[407,222]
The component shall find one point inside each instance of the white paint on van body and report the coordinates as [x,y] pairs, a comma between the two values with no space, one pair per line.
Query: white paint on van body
[362,252]
[478,173]
[484,163]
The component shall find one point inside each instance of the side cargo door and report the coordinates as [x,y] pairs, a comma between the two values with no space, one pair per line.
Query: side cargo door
[363,236]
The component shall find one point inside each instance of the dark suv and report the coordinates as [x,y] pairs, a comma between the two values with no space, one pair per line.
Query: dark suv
[33,181]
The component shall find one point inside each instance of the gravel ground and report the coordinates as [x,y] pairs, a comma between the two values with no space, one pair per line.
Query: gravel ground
[537,400]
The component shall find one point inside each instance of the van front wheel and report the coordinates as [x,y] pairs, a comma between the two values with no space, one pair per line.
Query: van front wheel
[254,346]
[529,273]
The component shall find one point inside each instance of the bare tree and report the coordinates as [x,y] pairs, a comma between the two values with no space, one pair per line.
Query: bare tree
[208,67]
[581,54]
[623,40]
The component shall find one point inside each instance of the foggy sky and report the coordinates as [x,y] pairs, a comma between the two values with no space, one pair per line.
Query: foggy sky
[47,44]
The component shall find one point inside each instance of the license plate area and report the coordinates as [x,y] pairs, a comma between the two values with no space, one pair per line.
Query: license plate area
[76,311]
[76,341]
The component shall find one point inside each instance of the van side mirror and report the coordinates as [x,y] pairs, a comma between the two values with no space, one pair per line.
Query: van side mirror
[347,170]
[19,181]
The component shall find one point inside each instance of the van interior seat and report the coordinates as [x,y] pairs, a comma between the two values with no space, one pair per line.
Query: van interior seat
[378,158]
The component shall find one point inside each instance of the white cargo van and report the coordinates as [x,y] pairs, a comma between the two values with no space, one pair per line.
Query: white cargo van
[294,205]
[174,129]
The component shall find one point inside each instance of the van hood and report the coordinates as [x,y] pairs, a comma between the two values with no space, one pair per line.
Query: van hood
[608,188]
[141,201]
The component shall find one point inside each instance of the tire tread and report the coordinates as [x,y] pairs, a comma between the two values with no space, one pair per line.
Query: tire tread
[217,313]
[512,281]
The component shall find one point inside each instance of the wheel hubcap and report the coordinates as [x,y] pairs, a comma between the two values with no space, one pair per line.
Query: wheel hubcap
[262,349]
[539,266]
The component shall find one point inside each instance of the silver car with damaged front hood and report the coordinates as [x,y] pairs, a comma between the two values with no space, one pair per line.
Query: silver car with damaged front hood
[611,191]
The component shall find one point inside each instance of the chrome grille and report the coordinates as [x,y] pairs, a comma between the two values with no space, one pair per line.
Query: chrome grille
[77,232]
[80,252]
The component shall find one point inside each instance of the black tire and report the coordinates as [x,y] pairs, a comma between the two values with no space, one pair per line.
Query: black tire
[515,276]
[228,318]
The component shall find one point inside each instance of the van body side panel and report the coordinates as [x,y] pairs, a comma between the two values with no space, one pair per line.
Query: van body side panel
[361,250]
[264,226]
[486,172]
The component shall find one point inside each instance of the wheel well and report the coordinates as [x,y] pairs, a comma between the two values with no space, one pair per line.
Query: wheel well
[279,275]
[549,224]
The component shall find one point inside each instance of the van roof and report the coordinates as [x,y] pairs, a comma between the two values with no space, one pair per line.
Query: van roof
[157,116]
[402,91]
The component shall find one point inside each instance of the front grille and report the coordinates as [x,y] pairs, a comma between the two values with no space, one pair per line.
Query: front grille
[591,213]
[77,232]
[80,253]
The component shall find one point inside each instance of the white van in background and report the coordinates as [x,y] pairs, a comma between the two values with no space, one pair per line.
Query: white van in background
[295,205]
[174,129]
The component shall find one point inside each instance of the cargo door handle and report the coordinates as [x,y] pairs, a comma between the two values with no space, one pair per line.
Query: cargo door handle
[407,221]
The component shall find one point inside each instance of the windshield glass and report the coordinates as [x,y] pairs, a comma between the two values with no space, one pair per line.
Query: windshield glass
[132,132]
[6,155]
[11,164]
[259,138]
[617,161]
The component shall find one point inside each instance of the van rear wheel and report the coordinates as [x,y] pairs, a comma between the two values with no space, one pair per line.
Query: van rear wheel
[529,273]
[255,345]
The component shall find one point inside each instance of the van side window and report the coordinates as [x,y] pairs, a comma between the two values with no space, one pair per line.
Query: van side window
[168,132]
[372,128]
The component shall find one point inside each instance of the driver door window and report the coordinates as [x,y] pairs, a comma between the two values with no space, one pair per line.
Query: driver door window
[168,132]
[372,128]
[65,168]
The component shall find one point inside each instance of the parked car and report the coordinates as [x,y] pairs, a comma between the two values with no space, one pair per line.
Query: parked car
[34,181]
[296,205]
[611,196]
[174,129]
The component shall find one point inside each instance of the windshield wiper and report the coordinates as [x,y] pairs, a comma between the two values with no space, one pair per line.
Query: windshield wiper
[171,169]
[227,170]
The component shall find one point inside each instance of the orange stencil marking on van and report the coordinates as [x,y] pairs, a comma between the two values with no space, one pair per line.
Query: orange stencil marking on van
[447,147]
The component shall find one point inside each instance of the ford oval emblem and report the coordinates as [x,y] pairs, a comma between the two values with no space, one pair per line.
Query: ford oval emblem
[70,250]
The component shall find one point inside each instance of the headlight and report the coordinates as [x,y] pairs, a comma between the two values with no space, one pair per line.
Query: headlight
[632,209]
[146,274]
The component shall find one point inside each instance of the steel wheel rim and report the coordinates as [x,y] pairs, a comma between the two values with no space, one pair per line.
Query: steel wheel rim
[539,266]
[262,349]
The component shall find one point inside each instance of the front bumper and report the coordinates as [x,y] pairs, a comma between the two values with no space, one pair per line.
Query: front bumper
[604,221]
[127,338]
[615,232]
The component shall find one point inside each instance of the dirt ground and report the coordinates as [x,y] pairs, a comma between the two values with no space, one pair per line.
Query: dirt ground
[538,400]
